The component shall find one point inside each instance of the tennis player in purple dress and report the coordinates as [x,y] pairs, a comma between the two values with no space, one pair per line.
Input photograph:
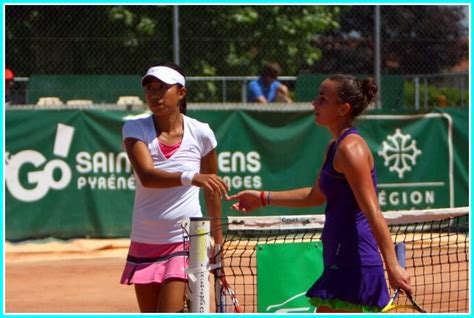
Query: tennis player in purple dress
[355,229]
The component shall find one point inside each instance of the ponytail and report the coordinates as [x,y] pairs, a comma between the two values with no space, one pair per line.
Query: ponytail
[357,93]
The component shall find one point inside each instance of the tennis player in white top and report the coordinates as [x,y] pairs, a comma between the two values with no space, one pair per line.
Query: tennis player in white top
[172,156]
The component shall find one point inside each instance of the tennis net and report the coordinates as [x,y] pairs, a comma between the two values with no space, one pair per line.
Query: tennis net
[437,255]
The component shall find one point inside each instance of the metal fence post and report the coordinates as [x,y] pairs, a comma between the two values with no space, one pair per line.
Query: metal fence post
[417,92]
[176,34]
[425,81]
[377,57]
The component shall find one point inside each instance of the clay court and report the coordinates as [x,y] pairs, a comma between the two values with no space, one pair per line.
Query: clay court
[79,277]
[82,276]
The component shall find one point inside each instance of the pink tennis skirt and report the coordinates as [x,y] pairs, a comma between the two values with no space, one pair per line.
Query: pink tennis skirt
[155,263]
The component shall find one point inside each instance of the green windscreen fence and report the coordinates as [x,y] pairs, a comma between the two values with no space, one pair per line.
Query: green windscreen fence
[66,174]
[108,88]
[98,88]
[307,85]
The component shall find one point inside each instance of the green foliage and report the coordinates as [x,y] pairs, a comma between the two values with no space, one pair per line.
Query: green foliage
[238,40]
[419,39]
[275,33]
[454,96]
[233,41]
[123,39]
[121,14]
[86,39]
[146,26]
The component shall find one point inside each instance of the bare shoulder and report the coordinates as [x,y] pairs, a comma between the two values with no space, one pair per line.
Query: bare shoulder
[353,144]
[352,151]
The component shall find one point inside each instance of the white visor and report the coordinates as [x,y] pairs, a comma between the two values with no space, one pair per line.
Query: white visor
[165,74]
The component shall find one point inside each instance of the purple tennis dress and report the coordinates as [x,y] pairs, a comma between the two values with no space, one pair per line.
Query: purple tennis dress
[353,276]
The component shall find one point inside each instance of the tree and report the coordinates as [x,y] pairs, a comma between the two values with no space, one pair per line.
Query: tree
[415,40]
[237,40]
[84,39]
[215,40]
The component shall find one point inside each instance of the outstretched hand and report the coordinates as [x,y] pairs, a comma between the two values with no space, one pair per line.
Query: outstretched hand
[212,183]
[248,201]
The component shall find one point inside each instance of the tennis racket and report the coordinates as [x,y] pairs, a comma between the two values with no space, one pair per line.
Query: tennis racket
[413,306]
[228,298]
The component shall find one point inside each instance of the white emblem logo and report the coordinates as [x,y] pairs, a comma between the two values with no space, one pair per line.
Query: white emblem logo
[43,179]
[399,153]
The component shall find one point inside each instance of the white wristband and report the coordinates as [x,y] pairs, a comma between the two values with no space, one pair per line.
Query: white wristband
[187,177]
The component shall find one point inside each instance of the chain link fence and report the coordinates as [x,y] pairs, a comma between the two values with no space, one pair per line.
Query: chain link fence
[99,52]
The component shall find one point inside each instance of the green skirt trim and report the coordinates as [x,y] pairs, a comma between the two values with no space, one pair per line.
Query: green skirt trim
[337,304]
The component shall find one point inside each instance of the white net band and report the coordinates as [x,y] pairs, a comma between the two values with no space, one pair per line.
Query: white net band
[316,221]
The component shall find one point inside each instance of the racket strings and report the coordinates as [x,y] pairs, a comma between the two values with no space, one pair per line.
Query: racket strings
[229,296]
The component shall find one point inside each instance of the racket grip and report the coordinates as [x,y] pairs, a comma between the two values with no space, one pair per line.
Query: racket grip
[400,251]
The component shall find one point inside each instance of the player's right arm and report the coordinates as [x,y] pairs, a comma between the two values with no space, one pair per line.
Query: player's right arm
[141,161]
[150,177]
[250,200]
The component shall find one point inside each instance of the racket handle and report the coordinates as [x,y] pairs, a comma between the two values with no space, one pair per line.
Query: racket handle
[400,251]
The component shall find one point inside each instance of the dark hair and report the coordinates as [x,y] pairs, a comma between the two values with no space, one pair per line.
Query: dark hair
[357,93]
[177,68]
[271,69]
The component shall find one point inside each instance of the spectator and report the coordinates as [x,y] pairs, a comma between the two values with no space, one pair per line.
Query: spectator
[442,101]
[267,89]
[8,82]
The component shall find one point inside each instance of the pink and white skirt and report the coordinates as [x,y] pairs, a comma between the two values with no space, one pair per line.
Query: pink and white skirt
[155,263]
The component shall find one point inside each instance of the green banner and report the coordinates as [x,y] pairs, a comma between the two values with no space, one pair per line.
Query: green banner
[415,159]
[67,176]
[282,288]
[421,159]
[267,150]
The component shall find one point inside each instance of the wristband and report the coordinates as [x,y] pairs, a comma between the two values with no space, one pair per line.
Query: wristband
[262,198]
[187,177]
